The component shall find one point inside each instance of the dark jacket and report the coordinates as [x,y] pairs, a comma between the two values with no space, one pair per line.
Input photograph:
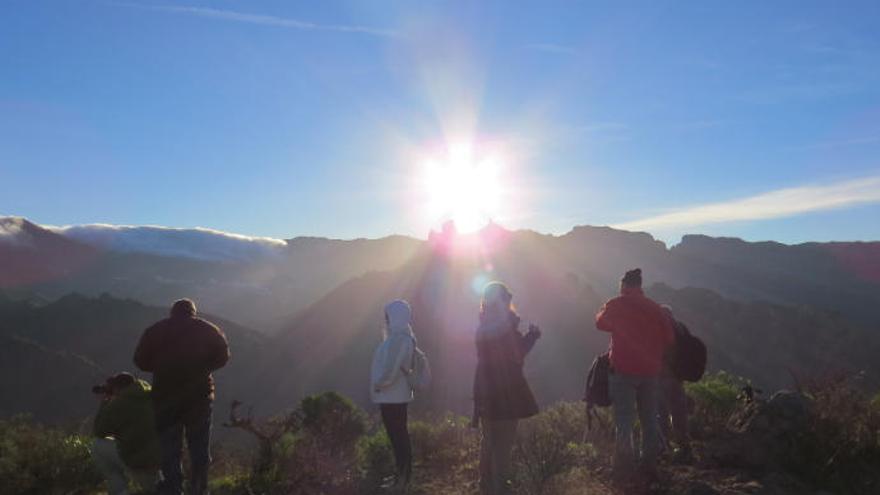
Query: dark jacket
[181,352]
[128,417]
[500,388]
[641,332]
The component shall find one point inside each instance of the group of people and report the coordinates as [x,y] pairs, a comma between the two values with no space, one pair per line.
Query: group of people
[140,427]
[641,382]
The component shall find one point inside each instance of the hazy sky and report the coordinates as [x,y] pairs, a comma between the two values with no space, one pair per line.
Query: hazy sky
[279,118]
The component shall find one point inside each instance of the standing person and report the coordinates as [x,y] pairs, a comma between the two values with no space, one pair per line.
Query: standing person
[501,394]
[182,351]
[390,388]
[126,445]
[641,332]
[672,404]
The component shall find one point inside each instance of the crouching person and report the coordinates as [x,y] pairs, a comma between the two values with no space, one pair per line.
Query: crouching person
[126,445]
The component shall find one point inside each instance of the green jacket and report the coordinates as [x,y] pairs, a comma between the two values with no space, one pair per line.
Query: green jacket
[129,418]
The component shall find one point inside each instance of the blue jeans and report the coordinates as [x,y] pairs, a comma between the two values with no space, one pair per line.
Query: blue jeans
[634,396]
[195,424]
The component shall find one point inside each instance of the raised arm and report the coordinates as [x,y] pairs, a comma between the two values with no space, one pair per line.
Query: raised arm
[605,318]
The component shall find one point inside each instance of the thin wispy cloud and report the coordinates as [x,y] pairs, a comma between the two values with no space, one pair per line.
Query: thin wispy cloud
[840,143]
[552,48]
[265,20]
[773,204]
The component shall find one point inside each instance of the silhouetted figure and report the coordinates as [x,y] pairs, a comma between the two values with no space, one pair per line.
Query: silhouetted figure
[126,445]
[501,394]
[672,403]
[390,388]
[641,332]
[182,351]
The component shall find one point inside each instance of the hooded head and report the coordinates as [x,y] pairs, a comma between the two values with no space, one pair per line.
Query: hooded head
[398,317]
[183,308]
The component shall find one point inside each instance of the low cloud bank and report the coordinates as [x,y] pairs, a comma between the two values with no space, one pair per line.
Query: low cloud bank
[198,243]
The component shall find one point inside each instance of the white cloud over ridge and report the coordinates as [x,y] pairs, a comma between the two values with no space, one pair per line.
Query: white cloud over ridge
[12,231]
[197,243]
[780,203]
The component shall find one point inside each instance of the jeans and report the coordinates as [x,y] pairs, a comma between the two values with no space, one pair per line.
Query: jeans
[672,404]
[496,449]
[117,474]
[195,424]
[394,417]
[634,396]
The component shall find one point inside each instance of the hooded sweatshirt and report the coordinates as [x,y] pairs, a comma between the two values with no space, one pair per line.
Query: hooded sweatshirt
[393,356]
[129,418]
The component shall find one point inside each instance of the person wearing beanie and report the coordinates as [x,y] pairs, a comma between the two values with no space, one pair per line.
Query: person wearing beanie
[182,352]
[641,333]
[390,389]
[501,393]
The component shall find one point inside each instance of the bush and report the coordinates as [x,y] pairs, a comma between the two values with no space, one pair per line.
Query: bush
[35,459]
[311,451]
[715,398]
[550,444]
[841,451]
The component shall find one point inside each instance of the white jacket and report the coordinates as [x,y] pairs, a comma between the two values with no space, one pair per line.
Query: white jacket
[392,356]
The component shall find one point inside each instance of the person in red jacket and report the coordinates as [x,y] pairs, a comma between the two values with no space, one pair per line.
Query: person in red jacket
[641,333]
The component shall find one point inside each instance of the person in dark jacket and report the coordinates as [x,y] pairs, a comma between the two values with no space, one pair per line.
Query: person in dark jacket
[641,333]
[182,351]
[672,402]
[126,445]
[501,394]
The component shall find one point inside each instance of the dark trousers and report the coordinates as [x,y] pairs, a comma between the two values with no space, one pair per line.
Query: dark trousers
[194,423]
[673,405]
[394,417]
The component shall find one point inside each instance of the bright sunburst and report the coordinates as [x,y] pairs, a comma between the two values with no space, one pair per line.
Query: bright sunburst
[463,183]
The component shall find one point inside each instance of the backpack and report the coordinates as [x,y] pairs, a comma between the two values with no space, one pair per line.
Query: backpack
[689,361]
[596,393]
[419,374]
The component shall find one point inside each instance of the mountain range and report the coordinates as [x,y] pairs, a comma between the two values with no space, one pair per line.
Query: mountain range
[310,308]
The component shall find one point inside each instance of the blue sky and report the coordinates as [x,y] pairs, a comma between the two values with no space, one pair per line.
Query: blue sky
[289,118]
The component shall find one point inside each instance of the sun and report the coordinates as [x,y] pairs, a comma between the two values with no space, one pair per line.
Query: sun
[463,183]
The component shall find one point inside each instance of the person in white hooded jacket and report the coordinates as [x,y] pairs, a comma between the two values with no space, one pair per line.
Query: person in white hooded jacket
[390,388]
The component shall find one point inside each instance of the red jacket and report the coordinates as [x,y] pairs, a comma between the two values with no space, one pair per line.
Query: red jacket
[641,332]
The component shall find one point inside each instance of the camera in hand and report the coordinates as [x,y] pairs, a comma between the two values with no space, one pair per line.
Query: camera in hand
[114,383]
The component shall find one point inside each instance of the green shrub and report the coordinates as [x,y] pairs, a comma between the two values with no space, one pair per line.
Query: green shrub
[313,450]
[840,451]
[35,459]
[445,441]
[714,398]
[375,458]
[551,444]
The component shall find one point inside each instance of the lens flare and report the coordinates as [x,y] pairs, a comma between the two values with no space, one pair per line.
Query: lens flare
[464,185]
